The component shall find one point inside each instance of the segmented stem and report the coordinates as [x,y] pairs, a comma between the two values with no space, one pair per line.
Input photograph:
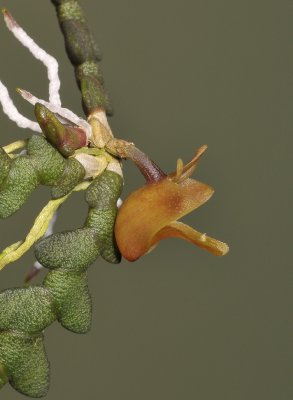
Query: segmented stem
[83,54]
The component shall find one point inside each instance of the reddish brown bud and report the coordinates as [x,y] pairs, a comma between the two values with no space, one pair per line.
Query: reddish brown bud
[64,138]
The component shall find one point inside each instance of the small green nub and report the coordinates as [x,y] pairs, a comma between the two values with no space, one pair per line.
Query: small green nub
[79,45]
[25,363]
[72,299]
[102,221]
[28,310]
[104,191]
[89,69]
[5,164]
[93,95]
[20,182]
[72,251]
[70,9]
[48,162]
[3,376]
[91,83]
[102,196]
[73,174]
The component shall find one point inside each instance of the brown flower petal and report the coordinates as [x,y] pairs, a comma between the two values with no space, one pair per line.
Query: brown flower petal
[151,208]
[180,230]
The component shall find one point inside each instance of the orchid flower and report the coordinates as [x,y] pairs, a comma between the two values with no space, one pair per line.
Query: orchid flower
[151,213]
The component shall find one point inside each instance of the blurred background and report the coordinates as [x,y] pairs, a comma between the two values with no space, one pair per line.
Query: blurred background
[179,323]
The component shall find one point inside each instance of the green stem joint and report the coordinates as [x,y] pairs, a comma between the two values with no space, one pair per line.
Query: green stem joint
[83,54]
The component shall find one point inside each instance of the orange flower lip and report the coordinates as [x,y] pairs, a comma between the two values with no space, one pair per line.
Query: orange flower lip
[151,212]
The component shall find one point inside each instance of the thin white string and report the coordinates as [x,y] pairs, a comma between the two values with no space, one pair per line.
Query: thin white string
[11,111]
[65,113]
[49,61]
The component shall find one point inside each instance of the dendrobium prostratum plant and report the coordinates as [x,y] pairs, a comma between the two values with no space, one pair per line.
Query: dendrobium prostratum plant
[71,154]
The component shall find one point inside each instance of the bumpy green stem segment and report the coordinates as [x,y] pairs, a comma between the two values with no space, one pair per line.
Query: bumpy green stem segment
[42,165]
[83,54]
[64,295]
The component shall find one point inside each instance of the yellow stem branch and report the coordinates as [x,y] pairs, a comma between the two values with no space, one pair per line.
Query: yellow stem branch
[16,250]
[19,144]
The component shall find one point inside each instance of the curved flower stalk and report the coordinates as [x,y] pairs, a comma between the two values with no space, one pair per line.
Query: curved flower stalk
[151,213]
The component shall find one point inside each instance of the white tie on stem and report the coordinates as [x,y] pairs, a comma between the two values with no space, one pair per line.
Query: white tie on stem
[54,103]
[11,111]
[49,61]
[63,114]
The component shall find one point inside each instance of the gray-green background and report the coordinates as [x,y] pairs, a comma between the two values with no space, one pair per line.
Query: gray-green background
[179,323]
